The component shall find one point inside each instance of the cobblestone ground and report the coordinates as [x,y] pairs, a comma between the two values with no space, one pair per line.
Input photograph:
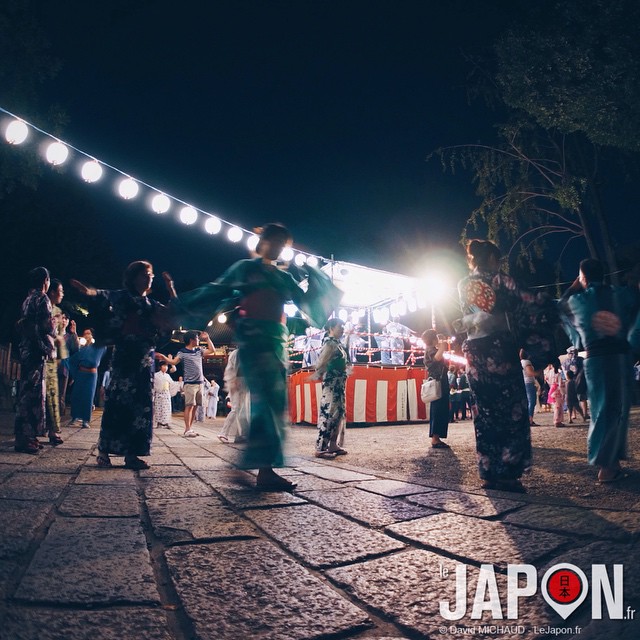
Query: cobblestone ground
[368,546]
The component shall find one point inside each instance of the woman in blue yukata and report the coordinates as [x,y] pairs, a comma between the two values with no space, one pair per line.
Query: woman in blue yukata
[489,298]
[134,324]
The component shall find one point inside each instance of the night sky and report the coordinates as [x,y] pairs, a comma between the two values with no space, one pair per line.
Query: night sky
[317,114]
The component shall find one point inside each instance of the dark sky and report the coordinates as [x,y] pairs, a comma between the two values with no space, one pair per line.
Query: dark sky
[319,114]
[316,113]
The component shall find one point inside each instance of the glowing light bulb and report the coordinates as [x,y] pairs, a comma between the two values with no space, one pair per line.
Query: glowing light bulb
[252,242]
[128,188]
[212,225]
[188,215]
[57,153]
[286,254]
[91,171]
[235,234]
[160,203]
[16,132]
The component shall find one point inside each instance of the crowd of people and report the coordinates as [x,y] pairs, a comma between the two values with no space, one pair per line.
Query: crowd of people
[510,367]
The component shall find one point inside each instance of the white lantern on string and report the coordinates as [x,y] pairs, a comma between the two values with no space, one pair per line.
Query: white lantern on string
[188,215]
[235,234]
[212,225]
[91,171]
[128,188]
[300,259]
[16,132]
[57,153]
[343,314]
[252,242]
[160,203]
[286,255]
[312,261]
[222,318]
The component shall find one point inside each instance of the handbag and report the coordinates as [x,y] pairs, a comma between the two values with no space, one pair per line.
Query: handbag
[431,390]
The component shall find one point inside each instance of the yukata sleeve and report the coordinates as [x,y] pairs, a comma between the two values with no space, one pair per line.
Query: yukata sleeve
[321,297]
[326,355]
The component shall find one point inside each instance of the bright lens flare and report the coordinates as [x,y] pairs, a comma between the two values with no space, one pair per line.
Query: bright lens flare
[235,234]
[16,132]
[91,171]
[128,189]
[160,203]
[57,153]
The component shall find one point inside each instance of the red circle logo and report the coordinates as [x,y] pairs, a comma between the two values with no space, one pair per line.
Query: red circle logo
[564,586]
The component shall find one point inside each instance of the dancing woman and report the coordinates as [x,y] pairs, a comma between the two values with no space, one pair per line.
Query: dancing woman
[135,320]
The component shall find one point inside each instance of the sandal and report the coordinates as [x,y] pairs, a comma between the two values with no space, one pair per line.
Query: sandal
[327,455]
[103,460]
[54,441]
[440,445]
[222,438]
[29,446]
[190,434]
[136,464]
[619,475]
[339,451]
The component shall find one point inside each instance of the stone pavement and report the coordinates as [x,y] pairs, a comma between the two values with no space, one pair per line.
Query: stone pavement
[183,551]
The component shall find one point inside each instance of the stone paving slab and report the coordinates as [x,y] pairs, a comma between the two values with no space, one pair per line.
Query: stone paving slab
[43,487]
[9,456]
[91,561]
[175,488]
[321,538]
[192,519]
[58,461]
[112,475]
[209,463]
[19,520]
[222,479]
[166,471]
[393,488]
[249,498]
[407,588]
[7,469]
[369,508]
[614,525]
[313,483]
[8,570]
[160,459]
[100,501]
[276,600]
[479,540]
[192,451]
[335,473]
[23,623]
[468,504]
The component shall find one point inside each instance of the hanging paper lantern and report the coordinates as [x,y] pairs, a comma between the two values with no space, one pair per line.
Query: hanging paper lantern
[235,234]
[160,203]
[128,188]
[91,171]
[57,153]
[252,242]
[188,215]
[212,225]
[16,132]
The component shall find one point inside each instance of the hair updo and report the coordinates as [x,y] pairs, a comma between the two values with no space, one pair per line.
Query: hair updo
[480,252]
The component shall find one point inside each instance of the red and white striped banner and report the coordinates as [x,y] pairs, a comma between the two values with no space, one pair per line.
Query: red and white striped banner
[375,395]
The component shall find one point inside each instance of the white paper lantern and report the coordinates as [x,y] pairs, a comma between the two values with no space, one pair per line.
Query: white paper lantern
[128,188]
[57,153]
[16,132]
[91,171]
[160,203]
[188,215]
[212,225]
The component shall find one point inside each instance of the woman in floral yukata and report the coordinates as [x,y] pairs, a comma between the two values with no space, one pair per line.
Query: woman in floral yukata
[37,344]
[488,298]
[332,368]
[134,321]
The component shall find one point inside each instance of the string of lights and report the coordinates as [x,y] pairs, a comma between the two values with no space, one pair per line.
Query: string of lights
[17,130]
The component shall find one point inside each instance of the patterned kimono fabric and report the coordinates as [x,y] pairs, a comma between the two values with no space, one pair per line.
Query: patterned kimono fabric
[501,420]
[36,346]
[332,415]
[127,421]
[608,370]
[84,370]
[52,402]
